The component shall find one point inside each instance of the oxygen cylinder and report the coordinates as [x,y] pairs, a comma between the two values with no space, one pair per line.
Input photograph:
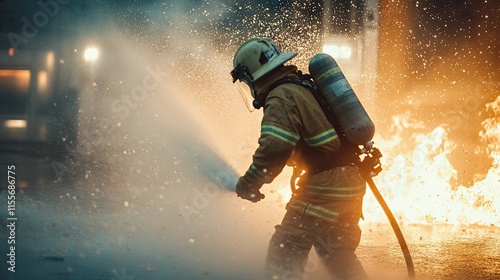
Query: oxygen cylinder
[343,102]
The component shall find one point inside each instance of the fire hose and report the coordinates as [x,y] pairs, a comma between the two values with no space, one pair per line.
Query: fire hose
[395,228]
[370,166]
[374,170]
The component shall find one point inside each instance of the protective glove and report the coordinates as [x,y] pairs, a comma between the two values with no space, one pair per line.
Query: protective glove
[247,191]
[370,166]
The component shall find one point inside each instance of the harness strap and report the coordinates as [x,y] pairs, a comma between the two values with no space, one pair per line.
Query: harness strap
[306,80]
[318,162]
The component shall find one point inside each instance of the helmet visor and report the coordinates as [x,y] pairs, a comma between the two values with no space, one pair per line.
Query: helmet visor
[246,93]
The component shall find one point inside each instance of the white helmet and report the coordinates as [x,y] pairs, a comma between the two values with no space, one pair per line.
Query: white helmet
[252,61]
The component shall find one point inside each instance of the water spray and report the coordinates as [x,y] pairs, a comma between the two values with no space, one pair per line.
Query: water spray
[349,118]
[210,164]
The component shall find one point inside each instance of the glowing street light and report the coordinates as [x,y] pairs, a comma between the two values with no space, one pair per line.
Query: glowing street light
[91,54]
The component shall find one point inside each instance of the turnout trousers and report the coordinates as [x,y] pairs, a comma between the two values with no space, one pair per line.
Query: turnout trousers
[335,243]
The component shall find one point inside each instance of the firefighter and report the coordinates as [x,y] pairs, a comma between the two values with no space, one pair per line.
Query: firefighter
[326,207]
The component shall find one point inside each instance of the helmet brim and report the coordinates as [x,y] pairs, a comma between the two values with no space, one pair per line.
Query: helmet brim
[271,65]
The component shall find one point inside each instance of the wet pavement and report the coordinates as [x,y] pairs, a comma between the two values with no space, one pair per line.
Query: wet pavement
[96,228]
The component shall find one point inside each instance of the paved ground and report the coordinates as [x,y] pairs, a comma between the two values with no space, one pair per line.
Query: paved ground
[93,228]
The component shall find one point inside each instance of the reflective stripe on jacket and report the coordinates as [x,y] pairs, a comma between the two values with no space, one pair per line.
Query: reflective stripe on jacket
[293,124]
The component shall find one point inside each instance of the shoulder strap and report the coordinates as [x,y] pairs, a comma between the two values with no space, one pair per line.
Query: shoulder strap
[306,80]
[318,163]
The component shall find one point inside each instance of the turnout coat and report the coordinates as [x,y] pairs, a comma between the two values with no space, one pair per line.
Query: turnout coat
[293,128]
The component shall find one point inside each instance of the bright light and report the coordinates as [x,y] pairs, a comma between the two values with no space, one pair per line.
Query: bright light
[50,60]
[91,54]
[285,193]
[43,82]
[15,123]
[338,52]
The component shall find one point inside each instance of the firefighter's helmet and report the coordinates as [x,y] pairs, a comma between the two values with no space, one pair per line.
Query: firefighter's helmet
[253,60]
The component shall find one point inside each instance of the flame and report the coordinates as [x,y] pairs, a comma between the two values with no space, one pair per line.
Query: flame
[420,184]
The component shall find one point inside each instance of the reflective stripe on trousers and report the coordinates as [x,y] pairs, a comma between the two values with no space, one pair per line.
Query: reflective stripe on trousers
[335,244]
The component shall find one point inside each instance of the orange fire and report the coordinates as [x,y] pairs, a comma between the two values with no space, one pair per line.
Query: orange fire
[419,183]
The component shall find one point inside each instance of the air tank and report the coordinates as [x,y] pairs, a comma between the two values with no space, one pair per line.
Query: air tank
[343,102]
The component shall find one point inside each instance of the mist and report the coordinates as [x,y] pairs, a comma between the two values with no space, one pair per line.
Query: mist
[147,189]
